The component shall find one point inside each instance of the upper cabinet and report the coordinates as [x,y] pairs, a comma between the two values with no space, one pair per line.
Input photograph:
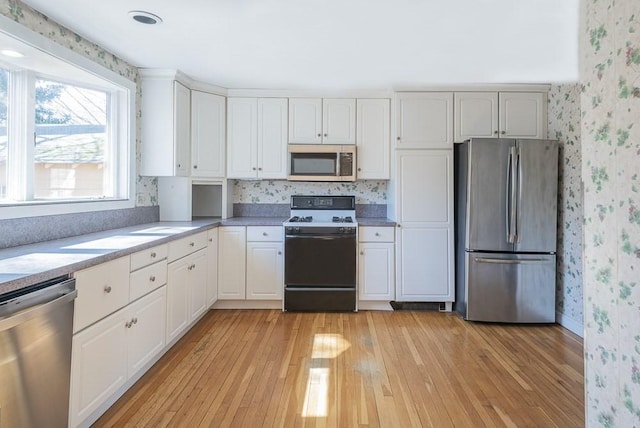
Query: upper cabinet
[207,135]
[166,105]
[500,115]
[424,120]
[257,138]
[372,139]
[322,121]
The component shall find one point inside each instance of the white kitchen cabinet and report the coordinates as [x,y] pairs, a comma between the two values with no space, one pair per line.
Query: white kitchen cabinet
[166,120]
[232,262]
[109,352]
[212,266]
[208,144]
[372,138]
[376,263]
[322,121]
[424,239]
[424,120]
[102,290]
[186,283]
[265,263]
[523,115]
[499,115]
[257,138]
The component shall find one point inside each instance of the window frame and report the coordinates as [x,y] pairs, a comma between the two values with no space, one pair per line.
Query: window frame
[123,126]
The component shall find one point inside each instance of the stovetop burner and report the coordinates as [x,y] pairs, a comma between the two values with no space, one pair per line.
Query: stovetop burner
[347,219]
[300,219]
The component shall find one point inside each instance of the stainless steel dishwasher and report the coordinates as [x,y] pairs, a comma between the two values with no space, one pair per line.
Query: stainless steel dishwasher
[36,328]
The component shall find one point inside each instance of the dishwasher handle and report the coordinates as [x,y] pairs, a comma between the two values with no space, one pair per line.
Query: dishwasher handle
[44,300]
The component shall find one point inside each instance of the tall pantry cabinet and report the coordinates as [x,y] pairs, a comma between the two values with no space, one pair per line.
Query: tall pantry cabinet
[423,197]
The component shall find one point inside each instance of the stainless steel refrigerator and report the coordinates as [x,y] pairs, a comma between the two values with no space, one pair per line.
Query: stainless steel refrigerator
[506,218]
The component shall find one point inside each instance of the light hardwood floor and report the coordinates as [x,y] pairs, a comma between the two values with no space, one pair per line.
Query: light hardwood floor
[366,369]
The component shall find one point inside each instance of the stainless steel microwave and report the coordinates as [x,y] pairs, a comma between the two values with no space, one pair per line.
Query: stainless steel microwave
[322,162]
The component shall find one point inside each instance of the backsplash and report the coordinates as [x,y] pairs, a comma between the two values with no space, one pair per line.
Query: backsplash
[280,191]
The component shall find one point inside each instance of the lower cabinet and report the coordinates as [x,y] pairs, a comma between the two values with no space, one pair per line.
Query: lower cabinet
[106,354]
[376,264]
[251,263]
[186,292]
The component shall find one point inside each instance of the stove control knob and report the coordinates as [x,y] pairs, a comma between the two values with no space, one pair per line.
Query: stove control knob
[341,230]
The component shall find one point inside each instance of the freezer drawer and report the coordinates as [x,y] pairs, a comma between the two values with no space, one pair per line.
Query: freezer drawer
[514,288]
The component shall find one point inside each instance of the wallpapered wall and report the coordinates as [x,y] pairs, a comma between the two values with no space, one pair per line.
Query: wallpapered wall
[610,103]
[146,187]
[564,126]
[279,191]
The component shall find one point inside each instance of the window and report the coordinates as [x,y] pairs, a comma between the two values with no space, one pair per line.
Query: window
[66,130]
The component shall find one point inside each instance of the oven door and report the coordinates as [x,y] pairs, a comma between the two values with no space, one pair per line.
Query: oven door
[320,261]
[320,273]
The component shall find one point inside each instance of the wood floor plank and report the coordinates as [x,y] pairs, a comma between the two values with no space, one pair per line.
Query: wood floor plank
[367,369]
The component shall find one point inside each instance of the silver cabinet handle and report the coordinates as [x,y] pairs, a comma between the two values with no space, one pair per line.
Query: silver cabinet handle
[495,132]
[153,255]
[195,167]
[279,253]
[107,289]
[259,169]
[503,132]
[127,324]
[179,165]
[377,233]
[191,244]
[326,135]
[362,253]
[210,239]
[359,169]
[152,278]
[398,138]
[135,320]
[319,135]
[254,168]
[264,234]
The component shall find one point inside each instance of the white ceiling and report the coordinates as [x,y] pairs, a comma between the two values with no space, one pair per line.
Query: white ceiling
[337,44]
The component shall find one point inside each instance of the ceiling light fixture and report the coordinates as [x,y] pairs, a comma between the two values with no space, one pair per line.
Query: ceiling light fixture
[145,17]
[11,53]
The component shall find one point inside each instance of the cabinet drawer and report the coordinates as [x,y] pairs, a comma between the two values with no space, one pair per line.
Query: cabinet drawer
[146,257]
[264,233]
[185,246]
[147,279]
[102,289]
[376,234]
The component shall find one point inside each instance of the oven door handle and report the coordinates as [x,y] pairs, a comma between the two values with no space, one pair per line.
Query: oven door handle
[350,288]
[322,237]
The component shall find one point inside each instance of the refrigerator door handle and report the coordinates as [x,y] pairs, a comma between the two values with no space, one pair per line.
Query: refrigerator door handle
[511,187]
[519,206]
[509,261]
[507,209]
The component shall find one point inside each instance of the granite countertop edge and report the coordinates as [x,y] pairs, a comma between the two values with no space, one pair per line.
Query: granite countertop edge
[15,258]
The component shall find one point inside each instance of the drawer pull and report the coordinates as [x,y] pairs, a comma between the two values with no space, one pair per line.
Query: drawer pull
[265,234]
[153,255]
[377,233]
[362,253]
[279,253]
[127,324]
[191,244]
[210,239]
[135,320]
[152,278]
[107,289]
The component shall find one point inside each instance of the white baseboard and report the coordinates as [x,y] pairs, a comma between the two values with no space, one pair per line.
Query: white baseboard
[372,305]
[247,304]
[570,324]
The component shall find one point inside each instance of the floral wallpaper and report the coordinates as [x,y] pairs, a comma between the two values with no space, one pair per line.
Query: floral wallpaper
[564,126]
[610,130]
[146,187]
[279,191]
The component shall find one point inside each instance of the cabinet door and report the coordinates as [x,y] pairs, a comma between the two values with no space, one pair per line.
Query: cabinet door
[182,128]
[425,264]
[207,135]
[476,115]
[242,137]
[376,273]
[212,267]
[424,120]
[231,263]
[425,187]
[146,323]
[272,137]
[338,121]
[265,267]
[305,120]
[197,284]
[177,298]
[98,365]
[372,139]
[523,115]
